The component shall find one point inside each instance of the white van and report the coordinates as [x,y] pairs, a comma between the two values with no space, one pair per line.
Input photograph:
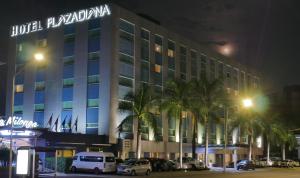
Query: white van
[97,162]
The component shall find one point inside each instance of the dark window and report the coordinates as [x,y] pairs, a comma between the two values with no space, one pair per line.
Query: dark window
[40,75]
[93,67]
[93,91]
[127,27]
[126,43]
[145,34]
[145,71]
[67,94]
[94,41]
[94,24]
[68,71]
[69,29]
[92,121]
[39,97]
[39,118]
[145,50]
[18,99]
[91,158]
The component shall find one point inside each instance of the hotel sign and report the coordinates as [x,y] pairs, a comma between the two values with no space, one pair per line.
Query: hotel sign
[64,19]
[18,122]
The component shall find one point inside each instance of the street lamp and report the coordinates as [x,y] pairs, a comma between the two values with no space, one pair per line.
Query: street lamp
[38,57]
[247,103]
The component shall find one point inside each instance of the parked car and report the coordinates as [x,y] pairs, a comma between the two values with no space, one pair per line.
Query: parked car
[190,163]
[287,163]
[245,165]
[159,164]
[97,162]
[134,167]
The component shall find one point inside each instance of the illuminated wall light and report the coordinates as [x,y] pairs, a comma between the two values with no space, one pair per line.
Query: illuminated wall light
[259,142]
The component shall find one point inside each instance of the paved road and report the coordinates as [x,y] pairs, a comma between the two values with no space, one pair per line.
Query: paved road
[258,173]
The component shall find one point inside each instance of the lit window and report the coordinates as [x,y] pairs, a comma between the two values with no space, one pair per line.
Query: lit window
[157,68]
[19,88]
[170,53]
[157,48]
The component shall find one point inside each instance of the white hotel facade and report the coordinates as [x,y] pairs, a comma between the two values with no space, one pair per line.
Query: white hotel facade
[93,63]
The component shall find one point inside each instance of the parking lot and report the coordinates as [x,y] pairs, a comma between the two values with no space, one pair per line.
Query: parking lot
[214,173]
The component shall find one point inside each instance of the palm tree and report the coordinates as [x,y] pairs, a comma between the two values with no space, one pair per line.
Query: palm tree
[209,95]
[286,138]
[175,103]
[250,124]
[271,129]
[139,105]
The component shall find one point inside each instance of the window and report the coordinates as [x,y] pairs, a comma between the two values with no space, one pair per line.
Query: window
[93,67]
[145,71]
[68,71]
[126,26]
[42,43]
[18,99]
[145,50]
[194,65]
[40,75]
[158,48]
[183,52]
[92,121]
[91,158]
[172,129]
[145,34]
[126,66]
[67,94]
[69,82]
[39,86]
[19,88]
[39,97]
[221,70]
[69,29]
[203,66]
[69,45]
[109,159]
[94,24]
[94,41]
[93,91]
[126,43]
[157,68]
[39,118]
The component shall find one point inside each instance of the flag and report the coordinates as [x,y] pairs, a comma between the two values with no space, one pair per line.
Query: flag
[50,120]
[70,124]
[56,123]
[76,123]
[63,124]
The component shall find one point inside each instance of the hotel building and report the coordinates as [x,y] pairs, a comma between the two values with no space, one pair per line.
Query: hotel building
[91,65]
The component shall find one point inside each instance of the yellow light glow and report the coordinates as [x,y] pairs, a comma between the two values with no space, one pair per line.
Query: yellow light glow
[247,103]
[39,56]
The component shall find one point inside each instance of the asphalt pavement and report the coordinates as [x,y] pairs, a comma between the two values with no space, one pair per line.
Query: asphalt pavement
[214,173]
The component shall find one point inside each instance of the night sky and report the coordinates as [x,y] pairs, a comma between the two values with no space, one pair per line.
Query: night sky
[262,34]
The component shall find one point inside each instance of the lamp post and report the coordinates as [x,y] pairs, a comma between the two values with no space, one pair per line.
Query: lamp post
[246,103]
[37,57]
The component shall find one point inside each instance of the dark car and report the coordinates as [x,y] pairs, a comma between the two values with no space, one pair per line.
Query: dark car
[245,165]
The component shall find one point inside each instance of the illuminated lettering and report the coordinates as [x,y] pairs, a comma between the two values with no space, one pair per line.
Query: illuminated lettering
[64,19]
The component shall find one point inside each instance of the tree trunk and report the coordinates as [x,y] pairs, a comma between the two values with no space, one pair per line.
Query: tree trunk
[180,139]
[206,141]
[250,147]
[268,153]
[138,151]
[194,141]
[283,151]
